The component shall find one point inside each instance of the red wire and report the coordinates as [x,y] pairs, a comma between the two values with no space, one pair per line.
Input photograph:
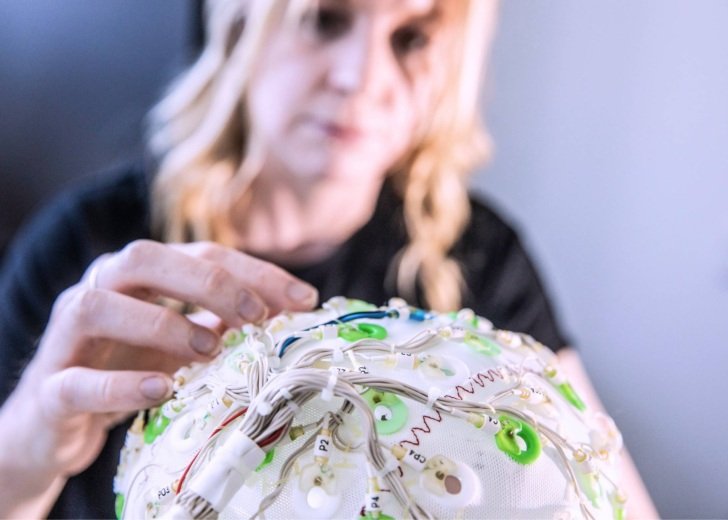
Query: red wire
[215,432]
[186,471]
[228,421]
[272,438]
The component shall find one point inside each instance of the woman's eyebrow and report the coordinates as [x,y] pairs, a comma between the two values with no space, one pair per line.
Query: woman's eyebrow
[432,16]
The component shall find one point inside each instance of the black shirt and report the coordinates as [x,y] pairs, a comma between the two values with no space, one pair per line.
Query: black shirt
[55,249]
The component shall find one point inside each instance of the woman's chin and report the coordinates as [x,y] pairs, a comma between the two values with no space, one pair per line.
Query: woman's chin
[334,164]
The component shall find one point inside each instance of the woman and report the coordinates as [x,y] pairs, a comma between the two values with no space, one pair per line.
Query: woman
[328,143]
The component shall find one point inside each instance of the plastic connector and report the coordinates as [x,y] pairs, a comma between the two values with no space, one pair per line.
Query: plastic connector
[223,476]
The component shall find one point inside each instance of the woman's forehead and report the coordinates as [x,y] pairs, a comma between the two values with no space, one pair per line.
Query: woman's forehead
[418,8]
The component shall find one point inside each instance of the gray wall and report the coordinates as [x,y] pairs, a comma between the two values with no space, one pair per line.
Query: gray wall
[609,120]
[76,78]
[611,126]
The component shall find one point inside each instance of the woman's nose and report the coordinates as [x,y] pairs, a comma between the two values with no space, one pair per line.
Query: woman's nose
[363,63]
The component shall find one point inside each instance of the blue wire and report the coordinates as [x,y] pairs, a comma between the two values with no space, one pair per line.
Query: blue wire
[372,315]
[415,315]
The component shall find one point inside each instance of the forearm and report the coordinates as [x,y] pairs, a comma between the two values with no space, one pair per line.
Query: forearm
[23,498]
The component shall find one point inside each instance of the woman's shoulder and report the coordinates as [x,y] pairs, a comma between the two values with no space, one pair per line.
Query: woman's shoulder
[97,214]
[98,210]
[490,248]
[489,228]
[53,249]
[113,201]
[501,276]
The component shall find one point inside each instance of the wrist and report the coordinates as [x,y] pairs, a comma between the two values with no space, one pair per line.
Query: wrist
[27,489]
[22,497]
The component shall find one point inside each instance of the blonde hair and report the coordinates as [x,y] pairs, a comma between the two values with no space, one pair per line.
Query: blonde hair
[199,138]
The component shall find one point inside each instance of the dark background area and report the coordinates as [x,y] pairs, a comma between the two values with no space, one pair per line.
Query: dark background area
[76,80]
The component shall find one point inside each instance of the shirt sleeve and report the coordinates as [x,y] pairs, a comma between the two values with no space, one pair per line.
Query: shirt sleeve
[53,250]
[46,256]
[503,283]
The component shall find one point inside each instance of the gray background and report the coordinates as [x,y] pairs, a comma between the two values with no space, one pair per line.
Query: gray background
[76,78]
[609,120]
[611,126]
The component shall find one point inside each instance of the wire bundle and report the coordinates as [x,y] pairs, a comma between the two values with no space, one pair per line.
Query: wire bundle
[327,399]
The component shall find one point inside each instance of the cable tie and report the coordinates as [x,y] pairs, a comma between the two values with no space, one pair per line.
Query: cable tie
[258,347]
[248,329]
[390,464]
[274,361]
[465,315]
[219,391]
[433,395]
[285,393]
[291,405]
[406,360]
[328,393]
[337,355]
[337,305]
[328,331]
[264,408]
[484,325]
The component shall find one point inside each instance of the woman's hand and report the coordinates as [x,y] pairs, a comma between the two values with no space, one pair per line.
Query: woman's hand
[108,350]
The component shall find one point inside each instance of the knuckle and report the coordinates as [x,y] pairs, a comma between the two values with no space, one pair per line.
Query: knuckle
[216,279]
[64,300]
[67,388]
[164,321]
[260,272]
[135,254]
[105,391]
[209,250]
[86,305]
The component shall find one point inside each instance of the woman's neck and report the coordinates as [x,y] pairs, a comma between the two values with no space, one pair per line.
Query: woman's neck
[295,225]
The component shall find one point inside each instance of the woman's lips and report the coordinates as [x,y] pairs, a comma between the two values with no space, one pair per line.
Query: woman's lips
[338,131]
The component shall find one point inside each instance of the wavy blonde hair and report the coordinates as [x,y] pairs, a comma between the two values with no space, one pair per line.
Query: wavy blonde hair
[198,137]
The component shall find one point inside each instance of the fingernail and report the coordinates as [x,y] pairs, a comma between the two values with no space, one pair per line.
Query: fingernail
[302,293]
[250,309]
[155,387]
[202,340]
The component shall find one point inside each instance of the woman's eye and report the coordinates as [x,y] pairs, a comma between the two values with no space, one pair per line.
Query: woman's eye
[328,23]
[409,39]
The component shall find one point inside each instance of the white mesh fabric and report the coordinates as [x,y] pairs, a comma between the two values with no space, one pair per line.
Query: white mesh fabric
[475,478]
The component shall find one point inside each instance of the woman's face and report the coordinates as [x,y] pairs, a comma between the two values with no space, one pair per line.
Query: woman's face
[338,98]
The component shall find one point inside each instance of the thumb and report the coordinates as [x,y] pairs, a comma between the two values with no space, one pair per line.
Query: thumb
[85,390]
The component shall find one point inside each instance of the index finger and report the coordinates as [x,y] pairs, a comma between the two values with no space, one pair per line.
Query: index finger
[277,287]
